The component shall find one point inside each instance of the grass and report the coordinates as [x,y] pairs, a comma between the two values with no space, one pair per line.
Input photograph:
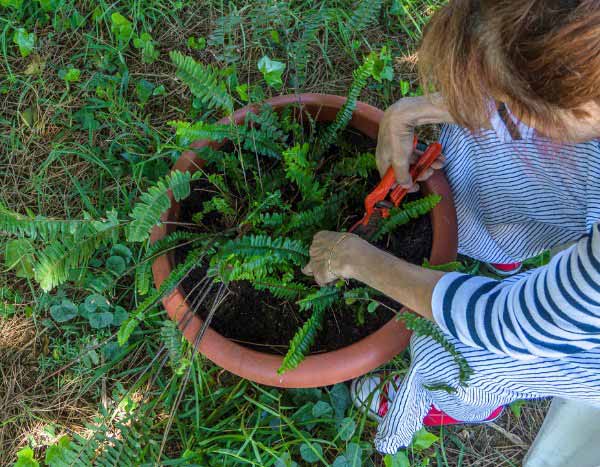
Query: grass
[83,129]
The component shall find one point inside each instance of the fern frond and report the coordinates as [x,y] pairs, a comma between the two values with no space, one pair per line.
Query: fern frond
[282,290]
[171,337]
[192,260]
[127,442]
[146,213]
[203,81]
[54,264]
[408,211]
[190,132]
[364,15]
[425,327]
[302,341]
[300,50]
[344,115]
[361,165]
[143,270]
[320,300]
[301,171]
[40,227]
[280,249]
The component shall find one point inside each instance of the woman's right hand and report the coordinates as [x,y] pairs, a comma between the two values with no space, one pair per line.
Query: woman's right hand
[396,135]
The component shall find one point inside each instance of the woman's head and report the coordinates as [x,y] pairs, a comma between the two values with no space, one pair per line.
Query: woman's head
[541,57]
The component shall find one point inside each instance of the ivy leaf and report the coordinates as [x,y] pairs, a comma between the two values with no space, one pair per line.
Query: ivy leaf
[272,71]
[24,40]
[64,312]
[397,460]
[100,320]
[308,454]
[422,440]
[116,265]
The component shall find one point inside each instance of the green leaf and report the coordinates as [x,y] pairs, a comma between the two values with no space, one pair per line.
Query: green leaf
[397,460]
[122,251]
[119,315]
[285,460]
[24,40]
[272,71]
[55,454]
[372,306]
[404,87]
[321,409]
[146,44]
[340,399]
[126,329]
[346,428]
[422,440]
[70,75]
[341,461]
[354,455]
[242,90]
[19,254]
[64,312]
[25,458]
[116,265]
[307,452]
[144,90]
[96,302]
[515,407]
[196,43]
[122,29]
[100,320]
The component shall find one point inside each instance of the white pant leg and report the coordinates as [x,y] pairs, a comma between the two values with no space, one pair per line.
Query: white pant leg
[569,437]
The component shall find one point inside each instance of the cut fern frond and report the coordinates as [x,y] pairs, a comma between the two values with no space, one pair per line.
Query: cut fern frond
[146,213]
[283,290]
[321,299]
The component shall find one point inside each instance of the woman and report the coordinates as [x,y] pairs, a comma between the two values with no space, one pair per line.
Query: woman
[519,92]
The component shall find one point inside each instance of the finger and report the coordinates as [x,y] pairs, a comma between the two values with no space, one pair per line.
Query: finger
[307,270]
[402,175]
[414,188]
[439,162]
[425,175]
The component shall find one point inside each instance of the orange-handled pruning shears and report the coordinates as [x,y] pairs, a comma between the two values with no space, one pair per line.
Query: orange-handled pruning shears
[376,204]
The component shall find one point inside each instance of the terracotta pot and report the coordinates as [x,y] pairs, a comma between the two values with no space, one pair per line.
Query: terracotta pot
[325,368]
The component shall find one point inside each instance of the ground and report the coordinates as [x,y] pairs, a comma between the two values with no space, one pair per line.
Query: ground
[87,90]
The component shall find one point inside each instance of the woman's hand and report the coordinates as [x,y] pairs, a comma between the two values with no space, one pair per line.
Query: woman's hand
[396,135]
[329,256]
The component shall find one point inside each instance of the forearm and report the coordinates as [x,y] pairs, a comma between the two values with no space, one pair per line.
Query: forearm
[406,283]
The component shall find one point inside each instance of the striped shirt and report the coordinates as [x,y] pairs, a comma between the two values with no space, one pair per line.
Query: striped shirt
[536,334]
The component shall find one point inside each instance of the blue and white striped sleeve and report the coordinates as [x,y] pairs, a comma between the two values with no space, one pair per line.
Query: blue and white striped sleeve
[552,311]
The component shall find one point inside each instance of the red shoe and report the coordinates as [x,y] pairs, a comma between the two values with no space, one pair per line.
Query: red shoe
[370,396]
[507,269]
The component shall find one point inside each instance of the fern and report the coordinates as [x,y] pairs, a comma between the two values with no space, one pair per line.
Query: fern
[302,341]
[369,68]
[143,269]
[361,165]
[54,264]
[300,49]
[146,213]
[425,327]
[282,290]
[40,227]
[281,249]
[263,133]
[171,337]
[192,260]
[300,170]
[408,211]
[203,82]
[365,14]
[126,443]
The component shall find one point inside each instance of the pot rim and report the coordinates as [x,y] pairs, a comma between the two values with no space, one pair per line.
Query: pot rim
[318,369]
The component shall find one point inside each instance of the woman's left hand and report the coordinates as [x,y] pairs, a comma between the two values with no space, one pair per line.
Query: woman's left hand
[330,255]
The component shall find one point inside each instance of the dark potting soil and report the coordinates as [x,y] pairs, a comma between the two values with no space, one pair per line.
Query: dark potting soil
[263,322]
